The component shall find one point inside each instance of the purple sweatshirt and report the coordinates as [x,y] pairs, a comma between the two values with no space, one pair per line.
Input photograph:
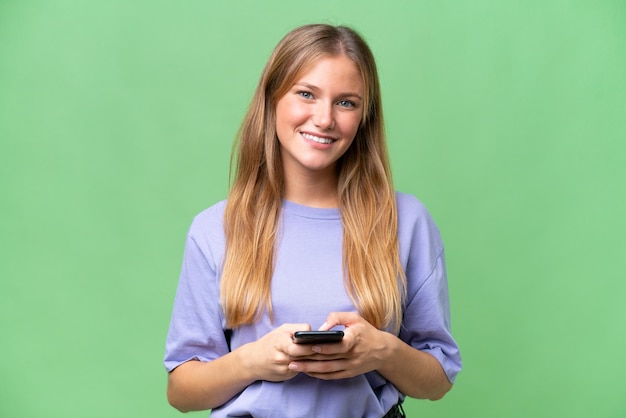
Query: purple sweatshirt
[307,285]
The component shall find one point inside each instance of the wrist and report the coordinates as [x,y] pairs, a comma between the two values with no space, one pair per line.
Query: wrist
[243,358]
[389,350]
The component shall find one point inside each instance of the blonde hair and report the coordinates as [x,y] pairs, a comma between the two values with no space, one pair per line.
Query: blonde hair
[372,271]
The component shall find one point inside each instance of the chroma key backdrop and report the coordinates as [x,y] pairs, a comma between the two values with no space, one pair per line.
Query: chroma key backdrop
[506,118]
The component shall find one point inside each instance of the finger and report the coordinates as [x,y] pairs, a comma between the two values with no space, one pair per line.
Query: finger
[316,366]
[300,351]
[327,370]
[320,357]
[339,318]
[289,329]
[338,348]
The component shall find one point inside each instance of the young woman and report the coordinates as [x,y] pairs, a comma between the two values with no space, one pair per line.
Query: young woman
[312,236]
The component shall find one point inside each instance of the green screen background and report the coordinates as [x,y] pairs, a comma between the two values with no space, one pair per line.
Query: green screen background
[506,118]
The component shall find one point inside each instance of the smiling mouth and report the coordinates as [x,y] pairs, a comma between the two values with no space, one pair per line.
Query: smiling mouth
[317,139]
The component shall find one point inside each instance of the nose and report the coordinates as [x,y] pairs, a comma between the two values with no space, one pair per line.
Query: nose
[323,116]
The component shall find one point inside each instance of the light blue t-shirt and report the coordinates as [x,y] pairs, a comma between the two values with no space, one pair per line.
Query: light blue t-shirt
[307,285]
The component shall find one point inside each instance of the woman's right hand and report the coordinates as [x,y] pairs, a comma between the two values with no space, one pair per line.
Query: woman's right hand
[268,357]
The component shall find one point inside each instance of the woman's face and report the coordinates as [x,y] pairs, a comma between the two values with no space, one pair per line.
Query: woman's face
[318,117]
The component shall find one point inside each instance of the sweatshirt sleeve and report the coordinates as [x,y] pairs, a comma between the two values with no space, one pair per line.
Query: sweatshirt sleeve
[426,320]
[196,330]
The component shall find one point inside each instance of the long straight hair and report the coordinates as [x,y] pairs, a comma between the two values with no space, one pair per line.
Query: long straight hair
[373,274]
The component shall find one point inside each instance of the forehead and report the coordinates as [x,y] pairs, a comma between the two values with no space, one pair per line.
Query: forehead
[334,71]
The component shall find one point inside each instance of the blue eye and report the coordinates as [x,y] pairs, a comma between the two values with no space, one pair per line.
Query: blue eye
[346,103]
[305,94]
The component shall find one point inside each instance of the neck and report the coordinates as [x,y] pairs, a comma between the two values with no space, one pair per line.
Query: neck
[313,191]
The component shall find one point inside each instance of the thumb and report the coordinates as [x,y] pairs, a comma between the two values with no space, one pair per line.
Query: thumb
[339,318]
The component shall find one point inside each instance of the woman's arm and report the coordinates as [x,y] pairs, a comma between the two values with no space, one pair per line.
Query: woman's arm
[197,385]
[415,373]
[364,348]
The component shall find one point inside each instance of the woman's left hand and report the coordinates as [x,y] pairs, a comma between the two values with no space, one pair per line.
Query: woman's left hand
[363,349]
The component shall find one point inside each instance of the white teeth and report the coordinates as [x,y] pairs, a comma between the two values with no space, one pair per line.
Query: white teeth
[317,139]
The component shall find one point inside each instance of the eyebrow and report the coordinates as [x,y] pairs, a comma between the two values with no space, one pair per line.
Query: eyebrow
[315,88]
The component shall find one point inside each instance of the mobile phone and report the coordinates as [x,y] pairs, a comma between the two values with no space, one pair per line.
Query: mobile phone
[317,337]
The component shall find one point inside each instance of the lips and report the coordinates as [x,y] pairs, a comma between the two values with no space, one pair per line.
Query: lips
[317,139]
